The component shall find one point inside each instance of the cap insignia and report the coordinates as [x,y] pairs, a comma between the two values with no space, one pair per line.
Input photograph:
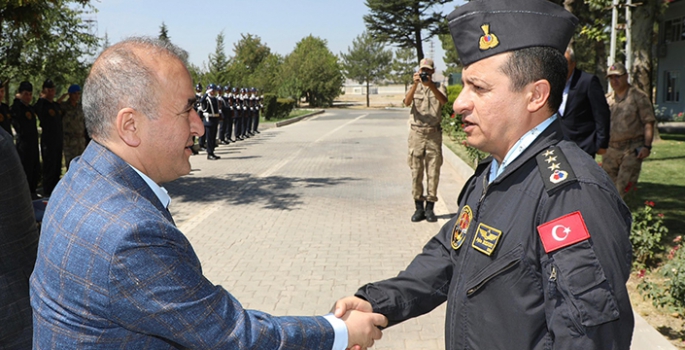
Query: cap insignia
[488,40]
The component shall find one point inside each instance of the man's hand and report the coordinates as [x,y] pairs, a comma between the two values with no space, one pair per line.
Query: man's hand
[362,328]
[350,303]
[644,153]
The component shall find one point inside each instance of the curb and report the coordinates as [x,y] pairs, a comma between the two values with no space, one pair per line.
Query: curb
[462,169]
[297,119]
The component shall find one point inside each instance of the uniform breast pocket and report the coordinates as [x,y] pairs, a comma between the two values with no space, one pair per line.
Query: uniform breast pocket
[581,279]
[498,268]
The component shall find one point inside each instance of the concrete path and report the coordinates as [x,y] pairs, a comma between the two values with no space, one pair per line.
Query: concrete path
[297,217]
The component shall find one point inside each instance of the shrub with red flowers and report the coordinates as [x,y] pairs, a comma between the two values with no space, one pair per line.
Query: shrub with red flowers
[646,234]
[670,294]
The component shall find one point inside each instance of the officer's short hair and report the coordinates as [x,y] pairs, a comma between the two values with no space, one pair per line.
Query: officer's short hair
[119,78]
[525,66]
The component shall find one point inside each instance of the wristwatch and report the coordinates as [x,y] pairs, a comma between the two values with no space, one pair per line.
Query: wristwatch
[647,147]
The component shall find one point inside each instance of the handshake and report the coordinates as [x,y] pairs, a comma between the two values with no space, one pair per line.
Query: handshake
[362,323]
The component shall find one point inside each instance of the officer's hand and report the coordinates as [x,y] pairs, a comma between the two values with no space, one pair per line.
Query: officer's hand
[362,328]
[644,153]
[350,303]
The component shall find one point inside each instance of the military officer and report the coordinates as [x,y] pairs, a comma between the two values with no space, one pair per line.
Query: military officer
[5,116]
[51,137]
[210,108]
[198,108]
[238,114]
[24,122]
[226,127]
[539,254]
[74,125]
[245,103]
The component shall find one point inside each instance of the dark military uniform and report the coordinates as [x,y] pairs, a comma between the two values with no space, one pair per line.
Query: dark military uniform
[503,290]
[226,128]
[5,118]
[51,142]
[24,122]
[210,112]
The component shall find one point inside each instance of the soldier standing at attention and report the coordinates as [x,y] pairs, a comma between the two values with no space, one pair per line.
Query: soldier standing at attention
[210,111]
[237,114]
[226,128]
[51,137]
[24,122]
[631,131]
[5,116]
[425,138]
[74,124]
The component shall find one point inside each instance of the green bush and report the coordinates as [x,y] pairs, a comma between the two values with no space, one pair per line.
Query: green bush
[672,295]
[646,233]
[277,108]
[451,124]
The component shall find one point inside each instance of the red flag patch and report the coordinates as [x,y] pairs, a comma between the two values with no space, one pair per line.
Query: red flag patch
[563,232]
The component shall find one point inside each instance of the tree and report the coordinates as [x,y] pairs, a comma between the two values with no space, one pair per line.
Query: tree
[164,33]
[403,22]
[45,38]
[643,34]
[366,61]
[267,76]
[451,57]
[249,54]
[218,63]
[404,66]
[312,71]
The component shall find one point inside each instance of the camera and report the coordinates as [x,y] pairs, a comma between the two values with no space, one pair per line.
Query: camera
[424,76]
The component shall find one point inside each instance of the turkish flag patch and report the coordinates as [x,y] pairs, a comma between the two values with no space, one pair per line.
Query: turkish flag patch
[563,232]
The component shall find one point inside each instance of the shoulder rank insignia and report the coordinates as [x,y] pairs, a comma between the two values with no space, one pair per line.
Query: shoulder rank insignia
[486,239]
[488,40]
[554,168]
[461,227]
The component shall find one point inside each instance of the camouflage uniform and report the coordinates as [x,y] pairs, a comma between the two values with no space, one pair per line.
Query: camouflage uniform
[74,125]
[425,142]
[627,135]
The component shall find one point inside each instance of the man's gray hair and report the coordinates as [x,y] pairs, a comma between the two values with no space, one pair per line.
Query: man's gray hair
[571,53]
[119,78]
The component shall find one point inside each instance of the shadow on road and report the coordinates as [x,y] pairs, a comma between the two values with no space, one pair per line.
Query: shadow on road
[274,192]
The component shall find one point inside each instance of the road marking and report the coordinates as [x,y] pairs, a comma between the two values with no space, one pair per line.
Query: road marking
[296,154]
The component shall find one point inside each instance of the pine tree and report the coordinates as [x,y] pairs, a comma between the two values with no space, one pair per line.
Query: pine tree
[366,61]
[404,66]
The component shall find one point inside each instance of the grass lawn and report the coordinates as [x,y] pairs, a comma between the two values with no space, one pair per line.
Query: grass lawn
[296,112]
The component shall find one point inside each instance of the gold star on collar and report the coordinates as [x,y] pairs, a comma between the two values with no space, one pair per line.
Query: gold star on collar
[548,153]
[554,166]
[551,159]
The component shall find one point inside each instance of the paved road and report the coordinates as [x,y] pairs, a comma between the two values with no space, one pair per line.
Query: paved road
[297,217]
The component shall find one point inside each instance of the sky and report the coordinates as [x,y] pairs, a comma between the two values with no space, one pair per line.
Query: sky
[280,24]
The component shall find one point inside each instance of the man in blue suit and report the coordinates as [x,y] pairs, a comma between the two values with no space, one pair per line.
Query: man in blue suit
[584,112]
[113,271]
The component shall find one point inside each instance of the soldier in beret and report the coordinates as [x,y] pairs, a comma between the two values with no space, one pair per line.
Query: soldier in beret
[539,255]
[74,124]
[51,138]
[24,122]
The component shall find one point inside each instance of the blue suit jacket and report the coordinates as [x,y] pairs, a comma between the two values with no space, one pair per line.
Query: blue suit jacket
[586,116]
[113,272]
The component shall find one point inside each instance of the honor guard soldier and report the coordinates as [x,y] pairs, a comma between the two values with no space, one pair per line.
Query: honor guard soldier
[539,254]
[198,99]
[237,114]
[245,103]
[5,116]
[226,128]
[24,123]
[210,111]
[254,110]
[51,137]
[260,107]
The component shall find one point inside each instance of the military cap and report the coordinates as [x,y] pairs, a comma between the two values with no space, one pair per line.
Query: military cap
[484,28]
[427,63]
[616,69]
[74,88]
[25,86]
[48,84]
[198,87]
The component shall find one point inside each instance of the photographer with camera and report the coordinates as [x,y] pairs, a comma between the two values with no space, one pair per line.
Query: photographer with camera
[426,99]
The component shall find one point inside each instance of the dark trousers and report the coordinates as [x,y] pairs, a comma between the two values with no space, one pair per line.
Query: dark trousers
[52,164]
[30,161]
[246,122]
[238,120]
[226,129]
[256,121]
[211,128]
